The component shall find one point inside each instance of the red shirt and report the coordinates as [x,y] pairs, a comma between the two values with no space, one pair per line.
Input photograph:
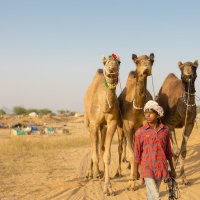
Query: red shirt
[152,149]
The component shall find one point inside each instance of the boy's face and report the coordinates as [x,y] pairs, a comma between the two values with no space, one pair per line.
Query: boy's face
[151,116]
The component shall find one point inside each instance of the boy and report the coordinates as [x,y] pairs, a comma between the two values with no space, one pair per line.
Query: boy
[152,150]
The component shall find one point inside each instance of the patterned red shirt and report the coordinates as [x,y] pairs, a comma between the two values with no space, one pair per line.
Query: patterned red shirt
[152,150]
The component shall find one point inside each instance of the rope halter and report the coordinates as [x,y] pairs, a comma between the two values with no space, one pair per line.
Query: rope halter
[186,96]
[136,107]
[111,72]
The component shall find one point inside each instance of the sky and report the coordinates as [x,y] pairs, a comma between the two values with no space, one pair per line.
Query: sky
[50,50]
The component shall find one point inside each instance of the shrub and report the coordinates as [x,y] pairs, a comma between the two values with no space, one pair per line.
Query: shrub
[61,111]
[45,111]
[2,112]
[19,110]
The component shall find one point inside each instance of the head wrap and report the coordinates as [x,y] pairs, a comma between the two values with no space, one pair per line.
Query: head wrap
[153,105]
[115,56]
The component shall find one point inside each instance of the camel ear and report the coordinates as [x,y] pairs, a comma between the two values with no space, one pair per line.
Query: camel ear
[104,60]
[134,57]
[196,63]
[152,56]
[180,65]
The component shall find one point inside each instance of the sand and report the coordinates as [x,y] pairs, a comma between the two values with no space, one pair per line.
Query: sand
[59,174]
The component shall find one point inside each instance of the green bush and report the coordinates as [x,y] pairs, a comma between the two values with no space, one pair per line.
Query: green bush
[67,112]
[61,111]
[19,110]
[2,112]
[45,111]
[70,113]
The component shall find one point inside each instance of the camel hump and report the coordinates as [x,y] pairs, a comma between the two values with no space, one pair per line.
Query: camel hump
[99,71]
[172,75]
[170,79]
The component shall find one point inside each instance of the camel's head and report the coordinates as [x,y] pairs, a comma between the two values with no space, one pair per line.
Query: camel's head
[111,65]
[144,64]
[111,69]
[188,71]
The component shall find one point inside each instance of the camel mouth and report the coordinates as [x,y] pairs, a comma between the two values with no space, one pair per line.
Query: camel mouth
[146,72]
[188,76]
[112,75]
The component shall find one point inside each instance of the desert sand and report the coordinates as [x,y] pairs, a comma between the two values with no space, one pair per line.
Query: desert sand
[53,167]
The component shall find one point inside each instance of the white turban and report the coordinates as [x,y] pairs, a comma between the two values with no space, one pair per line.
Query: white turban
[153,105]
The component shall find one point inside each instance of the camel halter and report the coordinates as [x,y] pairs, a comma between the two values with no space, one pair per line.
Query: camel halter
[136,107]
[107,81]
[187,95]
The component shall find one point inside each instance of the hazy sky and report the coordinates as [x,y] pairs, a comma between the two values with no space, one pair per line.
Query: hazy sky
[50,50]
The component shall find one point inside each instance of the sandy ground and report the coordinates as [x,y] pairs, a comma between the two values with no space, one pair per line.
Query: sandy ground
[61,176]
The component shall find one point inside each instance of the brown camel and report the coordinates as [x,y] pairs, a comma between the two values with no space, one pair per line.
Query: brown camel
[131,102]
[102,114]
[177,97]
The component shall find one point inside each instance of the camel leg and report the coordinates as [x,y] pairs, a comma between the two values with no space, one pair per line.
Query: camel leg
[89,174]
[175,147]
[183,152]
[120,150]
[107,156]
[94,141]
[90,171]
[102,145]
[130,144]
[124,159]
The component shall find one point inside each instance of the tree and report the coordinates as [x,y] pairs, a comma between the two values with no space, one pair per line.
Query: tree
[2,112]
[61,111]
[19,110]
[45,111]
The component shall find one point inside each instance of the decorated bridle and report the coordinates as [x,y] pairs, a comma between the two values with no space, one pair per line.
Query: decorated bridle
[111,82]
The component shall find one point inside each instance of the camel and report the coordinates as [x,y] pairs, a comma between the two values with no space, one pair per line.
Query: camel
[177,97]
[131,101]
[102,114]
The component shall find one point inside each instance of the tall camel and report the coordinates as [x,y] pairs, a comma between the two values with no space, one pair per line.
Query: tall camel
[177,97]
[131,102]
[102,114]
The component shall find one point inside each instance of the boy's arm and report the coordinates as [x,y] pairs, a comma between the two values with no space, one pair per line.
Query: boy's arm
[136,174]
[173,172]
[169,157]
[137,156]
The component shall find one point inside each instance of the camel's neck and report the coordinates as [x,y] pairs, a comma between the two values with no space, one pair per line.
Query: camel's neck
[111,92]
[109,99]
[189,87]
[140,93]
[189,97]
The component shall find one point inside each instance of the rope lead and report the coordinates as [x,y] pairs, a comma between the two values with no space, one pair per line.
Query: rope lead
[172,188]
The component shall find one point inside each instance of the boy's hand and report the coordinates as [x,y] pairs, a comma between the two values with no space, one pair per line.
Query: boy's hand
[173,173]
